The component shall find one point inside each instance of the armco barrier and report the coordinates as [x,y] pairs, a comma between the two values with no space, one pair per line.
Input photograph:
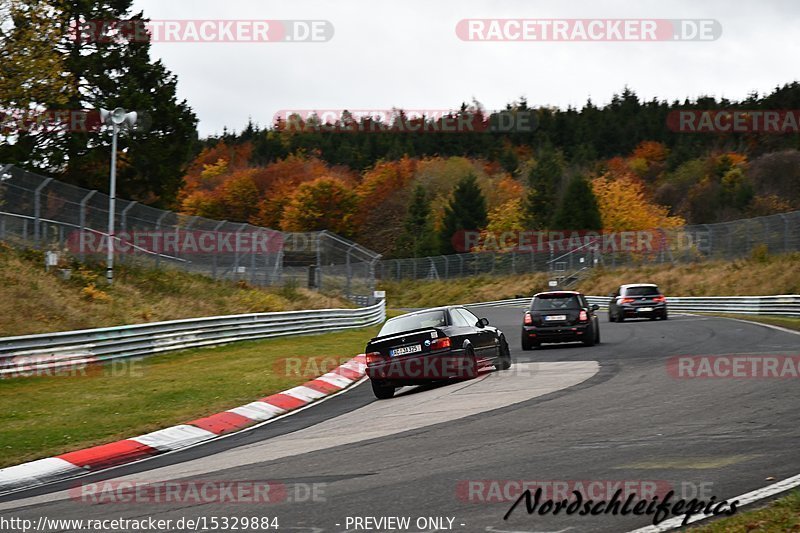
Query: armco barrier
[781,305]
[20,356]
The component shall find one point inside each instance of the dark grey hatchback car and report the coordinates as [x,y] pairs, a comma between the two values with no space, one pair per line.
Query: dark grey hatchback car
[640,300]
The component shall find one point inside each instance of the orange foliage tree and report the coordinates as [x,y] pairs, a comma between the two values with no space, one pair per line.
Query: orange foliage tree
[326,203]
[383,195]
[278,181]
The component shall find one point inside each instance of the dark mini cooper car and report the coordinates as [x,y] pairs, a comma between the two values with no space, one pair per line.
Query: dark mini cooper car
[560,316]
[640,300]
[432,345]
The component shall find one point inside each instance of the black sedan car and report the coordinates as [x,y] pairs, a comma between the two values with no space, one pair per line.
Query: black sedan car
[639,300]
[432,345]
[560,316]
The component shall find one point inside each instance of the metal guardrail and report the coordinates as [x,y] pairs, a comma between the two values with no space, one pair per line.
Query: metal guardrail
[29,354]
[781,305]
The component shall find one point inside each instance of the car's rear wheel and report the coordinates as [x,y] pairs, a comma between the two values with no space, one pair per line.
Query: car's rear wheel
[504,360]
[526,342]
[621,317]
[597,335]
[382,391]
[590,339]
[665,315]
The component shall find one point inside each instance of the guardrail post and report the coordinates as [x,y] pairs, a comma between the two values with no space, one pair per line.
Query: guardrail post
[37,207]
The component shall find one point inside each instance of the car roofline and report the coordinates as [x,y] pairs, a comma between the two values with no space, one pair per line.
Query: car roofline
[555,292]
[412,313]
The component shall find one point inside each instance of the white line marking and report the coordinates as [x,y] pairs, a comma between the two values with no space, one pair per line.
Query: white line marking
[744,499]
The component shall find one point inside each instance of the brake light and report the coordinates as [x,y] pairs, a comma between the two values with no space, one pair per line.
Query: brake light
[528,319]
[440,344]
[626,300]
[660,299]
[583,316]
[374,357]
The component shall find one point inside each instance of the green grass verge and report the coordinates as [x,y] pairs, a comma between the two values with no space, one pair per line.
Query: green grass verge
[784,322]
[47,415]
[779,516]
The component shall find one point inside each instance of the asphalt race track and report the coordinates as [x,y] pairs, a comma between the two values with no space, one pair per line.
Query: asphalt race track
[563,414]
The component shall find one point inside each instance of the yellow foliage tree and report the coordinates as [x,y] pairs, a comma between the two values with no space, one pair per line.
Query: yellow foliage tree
[625,207]
[505,223]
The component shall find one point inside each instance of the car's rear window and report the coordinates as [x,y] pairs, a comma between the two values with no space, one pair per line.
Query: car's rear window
[554,302]
[642,291]
[433,319]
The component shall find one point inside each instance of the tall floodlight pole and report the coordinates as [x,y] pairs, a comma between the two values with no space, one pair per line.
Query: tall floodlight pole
[115,118]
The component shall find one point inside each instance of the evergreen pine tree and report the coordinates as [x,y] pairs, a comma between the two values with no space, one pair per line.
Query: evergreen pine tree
[578,209]
[466,211]
[115,71]
[544,180]
[418,238]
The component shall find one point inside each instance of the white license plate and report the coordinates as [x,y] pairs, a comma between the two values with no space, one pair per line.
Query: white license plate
[555,317]
[645,309]
[405,350]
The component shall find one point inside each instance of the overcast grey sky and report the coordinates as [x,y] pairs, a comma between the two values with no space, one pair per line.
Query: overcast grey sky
[406,54]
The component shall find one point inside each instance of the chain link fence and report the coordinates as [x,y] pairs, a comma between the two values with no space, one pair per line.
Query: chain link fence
[568,255]
[43,213]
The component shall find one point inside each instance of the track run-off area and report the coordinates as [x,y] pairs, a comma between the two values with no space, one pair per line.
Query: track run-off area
[455,454]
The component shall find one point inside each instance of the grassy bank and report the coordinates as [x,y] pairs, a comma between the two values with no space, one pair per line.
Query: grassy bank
[761,275]
[779,516]
[35,301]
[44,416]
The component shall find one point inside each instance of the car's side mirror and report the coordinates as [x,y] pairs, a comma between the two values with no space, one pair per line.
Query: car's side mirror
[483,322]
[595,307]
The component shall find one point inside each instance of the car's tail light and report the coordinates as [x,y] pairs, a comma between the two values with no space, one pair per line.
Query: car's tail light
[583,316]
[660,299]
[528,319]
[374,357]
[626,300]
[440,344]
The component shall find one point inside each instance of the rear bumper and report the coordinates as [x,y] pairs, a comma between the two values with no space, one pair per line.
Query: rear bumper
[556,333]
[630,311]
[422,368]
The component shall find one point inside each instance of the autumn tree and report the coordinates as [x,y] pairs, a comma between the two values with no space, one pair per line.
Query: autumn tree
[323,204]
[384,195]
[466,211]
[624,206]
[32,72]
